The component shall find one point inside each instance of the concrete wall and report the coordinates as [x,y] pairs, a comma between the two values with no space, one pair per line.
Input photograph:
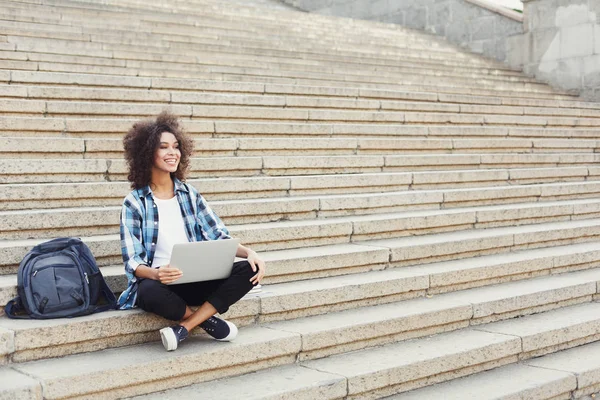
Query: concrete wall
[561,44]
[479,26]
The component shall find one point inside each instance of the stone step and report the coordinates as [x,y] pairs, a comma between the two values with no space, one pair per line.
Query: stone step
[520,380]
[78,221]
[492,349]
[568,374]
[353,56]
[410,365]
[288,381]
[430,243]
[115,128]
[151,35]
[45,58]
[53,109]
[342,332]
[47,147]
[384,319]
[407,251]
[193,36]
[182,33]
[221,72]
[184,30]
[215,58]
[520,265]
[396,86]
[294,100]
[98,170]
[472,187]
[334,260]
[81,221]
[20,58]
[514,381]
[211,61]
[218,22]
[303,383]
[36,98]
[581,362]
[80,45]
[171,91]
[300,85]
[279,32]
[198,71]
[47,19]
[37,22]
[147,67]
[264,22]
[341,259]
[428,80]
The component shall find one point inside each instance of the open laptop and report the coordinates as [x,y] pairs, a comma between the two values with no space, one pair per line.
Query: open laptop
[204,261]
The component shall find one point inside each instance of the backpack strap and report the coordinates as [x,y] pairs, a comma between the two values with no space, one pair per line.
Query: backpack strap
[109,296]
[14,307]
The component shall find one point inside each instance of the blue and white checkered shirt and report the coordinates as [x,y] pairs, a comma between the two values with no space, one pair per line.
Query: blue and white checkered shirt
[139,230]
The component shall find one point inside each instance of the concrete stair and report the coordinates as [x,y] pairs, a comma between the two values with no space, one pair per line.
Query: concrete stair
[336,230]
[382,370]
[429,218]
[448,355]
[340,259]
[471,187]
[294,212]
[443,283]
[94,170]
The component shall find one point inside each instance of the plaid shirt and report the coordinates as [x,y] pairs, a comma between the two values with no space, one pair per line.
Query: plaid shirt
[139,230]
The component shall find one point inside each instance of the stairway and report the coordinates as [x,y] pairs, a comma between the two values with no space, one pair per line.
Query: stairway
[430,218]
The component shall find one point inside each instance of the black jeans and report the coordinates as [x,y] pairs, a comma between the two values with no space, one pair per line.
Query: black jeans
[170,301]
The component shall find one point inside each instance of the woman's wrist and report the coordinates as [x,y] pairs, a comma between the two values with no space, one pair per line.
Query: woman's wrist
[250,252]
[244,252]
[146,272]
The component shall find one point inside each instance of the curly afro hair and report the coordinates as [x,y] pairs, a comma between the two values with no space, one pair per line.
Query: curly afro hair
[143,139]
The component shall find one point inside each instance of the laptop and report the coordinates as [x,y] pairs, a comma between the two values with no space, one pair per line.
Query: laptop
[204,261]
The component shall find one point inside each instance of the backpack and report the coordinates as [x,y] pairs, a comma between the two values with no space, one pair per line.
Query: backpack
[58,279]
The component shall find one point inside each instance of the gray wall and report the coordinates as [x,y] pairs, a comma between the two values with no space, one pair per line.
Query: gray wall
[561,44]
[482,30]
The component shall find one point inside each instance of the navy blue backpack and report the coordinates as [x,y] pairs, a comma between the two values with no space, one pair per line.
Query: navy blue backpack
[59,279]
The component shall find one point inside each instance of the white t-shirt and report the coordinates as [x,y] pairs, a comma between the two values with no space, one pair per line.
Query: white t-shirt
[171,230]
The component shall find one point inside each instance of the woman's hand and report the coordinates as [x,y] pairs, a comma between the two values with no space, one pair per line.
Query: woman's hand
[167,274]
[258,265]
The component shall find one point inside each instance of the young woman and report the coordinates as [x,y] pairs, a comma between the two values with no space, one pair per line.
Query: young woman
[161,211]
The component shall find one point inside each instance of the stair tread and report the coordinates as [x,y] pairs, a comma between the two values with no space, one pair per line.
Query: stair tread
[414,351]
[462,305]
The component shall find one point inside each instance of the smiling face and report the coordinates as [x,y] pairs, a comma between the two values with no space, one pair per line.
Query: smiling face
[167,155]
